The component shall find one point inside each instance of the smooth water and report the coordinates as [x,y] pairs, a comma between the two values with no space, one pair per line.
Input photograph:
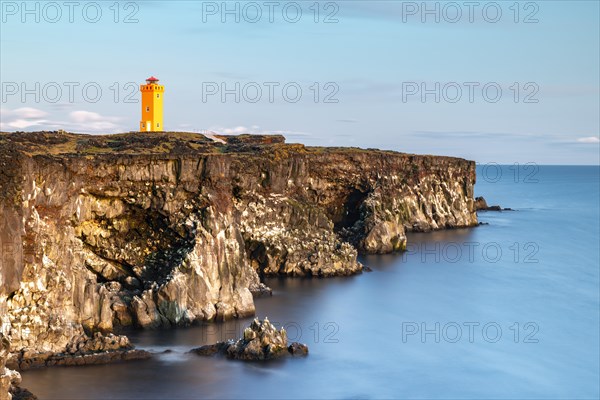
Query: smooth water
[505,310]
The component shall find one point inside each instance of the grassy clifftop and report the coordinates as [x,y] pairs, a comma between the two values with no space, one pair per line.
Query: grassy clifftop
[61,143]
[64,143]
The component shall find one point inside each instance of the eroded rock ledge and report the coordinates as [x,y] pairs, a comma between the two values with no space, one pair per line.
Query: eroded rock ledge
[82,350]
[101,233]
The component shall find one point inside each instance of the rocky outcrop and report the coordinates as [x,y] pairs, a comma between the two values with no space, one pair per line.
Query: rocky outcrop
[6,375]
[81,350]
[261,341]
[481,205]
[10,379]
[101,233]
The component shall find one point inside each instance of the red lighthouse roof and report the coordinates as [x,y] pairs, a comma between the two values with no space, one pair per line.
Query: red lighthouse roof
[152,79]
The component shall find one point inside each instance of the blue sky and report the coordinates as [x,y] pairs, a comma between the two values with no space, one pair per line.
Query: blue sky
[381,63]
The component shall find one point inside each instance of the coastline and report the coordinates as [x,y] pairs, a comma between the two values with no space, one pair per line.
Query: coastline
[133,227]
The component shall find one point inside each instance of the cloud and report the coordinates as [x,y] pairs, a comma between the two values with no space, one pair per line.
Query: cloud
[256,130]
[80,121]
[476,135]
[92,121]
[589,140]
[20,124]
[21,118]
[236,131]
[24,113]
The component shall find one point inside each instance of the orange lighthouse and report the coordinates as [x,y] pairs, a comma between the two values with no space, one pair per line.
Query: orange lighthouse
[152,106]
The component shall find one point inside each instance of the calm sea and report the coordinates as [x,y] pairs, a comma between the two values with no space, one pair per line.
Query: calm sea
[505,310]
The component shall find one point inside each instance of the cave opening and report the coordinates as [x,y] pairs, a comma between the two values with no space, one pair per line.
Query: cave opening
[349,213]
[257,255]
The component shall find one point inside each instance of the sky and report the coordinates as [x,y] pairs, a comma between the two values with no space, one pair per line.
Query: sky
[496,82]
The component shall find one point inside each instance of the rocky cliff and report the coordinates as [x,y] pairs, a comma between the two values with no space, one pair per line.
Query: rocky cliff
[104,232]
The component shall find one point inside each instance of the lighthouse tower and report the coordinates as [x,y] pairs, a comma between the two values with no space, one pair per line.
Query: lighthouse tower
[152,106]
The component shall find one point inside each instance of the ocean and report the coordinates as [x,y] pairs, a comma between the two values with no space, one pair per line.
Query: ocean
[509,309]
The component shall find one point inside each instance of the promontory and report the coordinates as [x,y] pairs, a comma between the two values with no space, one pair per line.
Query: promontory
[148,230]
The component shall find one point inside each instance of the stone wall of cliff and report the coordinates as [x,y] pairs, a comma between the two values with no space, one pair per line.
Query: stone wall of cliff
[94,241]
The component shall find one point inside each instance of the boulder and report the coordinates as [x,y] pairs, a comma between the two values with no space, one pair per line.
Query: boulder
[480,203]
[298,349]
[261,341]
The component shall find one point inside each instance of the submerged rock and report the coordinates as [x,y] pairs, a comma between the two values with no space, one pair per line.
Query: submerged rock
[211,349]
[261,341]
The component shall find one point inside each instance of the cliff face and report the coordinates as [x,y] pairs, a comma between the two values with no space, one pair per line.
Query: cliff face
[104,232]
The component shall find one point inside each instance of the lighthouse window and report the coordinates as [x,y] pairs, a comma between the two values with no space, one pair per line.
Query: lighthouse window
[147,109]
[157,95]
[158,125]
